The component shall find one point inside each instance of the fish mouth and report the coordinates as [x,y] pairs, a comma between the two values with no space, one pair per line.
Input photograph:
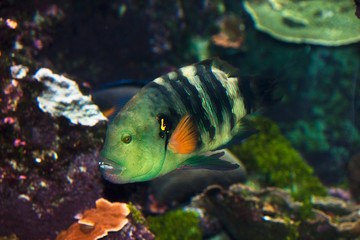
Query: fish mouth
[110,170]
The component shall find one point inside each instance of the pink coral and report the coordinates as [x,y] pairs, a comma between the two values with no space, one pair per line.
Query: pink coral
[95,223]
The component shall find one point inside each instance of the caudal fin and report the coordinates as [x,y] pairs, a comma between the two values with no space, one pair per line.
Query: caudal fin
[258,93]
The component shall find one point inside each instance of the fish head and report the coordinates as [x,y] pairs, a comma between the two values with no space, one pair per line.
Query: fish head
[133,150]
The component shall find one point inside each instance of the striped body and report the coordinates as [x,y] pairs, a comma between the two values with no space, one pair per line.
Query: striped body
[175,120]
[210,95]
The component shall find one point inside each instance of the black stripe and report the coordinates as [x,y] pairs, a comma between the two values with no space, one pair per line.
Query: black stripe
[184,97]
[197,101]
[221,91]
[232,121]
[190,98]
[165,93]
[209,89]
[218,94]
[212,132]
[175,115]
[170,97]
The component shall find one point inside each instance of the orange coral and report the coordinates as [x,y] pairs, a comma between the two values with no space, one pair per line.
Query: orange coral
[232,33]
[95,223]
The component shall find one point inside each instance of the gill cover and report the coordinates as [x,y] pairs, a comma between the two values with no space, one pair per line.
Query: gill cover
[134,149]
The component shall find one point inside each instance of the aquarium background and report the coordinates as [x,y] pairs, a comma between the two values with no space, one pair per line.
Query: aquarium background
[48,163]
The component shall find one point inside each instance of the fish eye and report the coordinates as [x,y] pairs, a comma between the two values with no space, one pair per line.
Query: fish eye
[126,138]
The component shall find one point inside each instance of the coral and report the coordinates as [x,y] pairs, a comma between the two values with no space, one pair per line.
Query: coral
[232,33]
[97,222]
[270,155]
[330,23]
[62,97]
[177,224]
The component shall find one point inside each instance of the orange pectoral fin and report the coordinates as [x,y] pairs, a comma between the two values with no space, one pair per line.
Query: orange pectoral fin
[108,112]
[185,136]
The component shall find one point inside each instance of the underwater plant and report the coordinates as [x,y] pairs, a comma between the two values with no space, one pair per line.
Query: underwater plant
[177,224]
[270,155]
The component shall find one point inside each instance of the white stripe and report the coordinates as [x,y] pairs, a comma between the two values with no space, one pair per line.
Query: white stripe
[159,80]
[190,73]
[172,75]
[233,92]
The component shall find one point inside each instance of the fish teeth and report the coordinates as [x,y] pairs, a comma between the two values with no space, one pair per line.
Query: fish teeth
[105,166]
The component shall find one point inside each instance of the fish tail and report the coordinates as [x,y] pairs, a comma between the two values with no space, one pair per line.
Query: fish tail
[258,93]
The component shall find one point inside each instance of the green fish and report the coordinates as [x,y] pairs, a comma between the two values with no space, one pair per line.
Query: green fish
[176,120]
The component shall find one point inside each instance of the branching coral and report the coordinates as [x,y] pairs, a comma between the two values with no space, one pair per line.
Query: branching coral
[95,223]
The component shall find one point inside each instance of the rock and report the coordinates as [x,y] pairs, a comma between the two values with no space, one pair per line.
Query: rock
[49,166]
[354,176]
[248,213]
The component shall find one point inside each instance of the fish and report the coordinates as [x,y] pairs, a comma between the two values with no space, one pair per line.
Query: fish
[180,120]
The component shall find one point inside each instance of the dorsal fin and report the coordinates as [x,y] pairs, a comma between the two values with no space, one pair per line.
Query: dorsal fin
[185,136]
[221,65]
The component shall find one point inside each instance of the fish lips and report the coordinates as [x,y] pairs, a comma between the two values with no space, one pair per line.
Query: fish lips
[110,170]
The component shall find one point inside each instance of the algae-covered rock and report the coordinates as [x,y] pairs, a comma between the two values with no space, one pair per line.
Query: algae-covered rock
[177,224]
[328,23]
[269,156]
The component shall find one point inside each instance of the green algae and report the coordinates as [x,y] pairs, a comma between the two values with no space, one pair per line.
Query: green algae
[177,224]
[269,155]
[136,214]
